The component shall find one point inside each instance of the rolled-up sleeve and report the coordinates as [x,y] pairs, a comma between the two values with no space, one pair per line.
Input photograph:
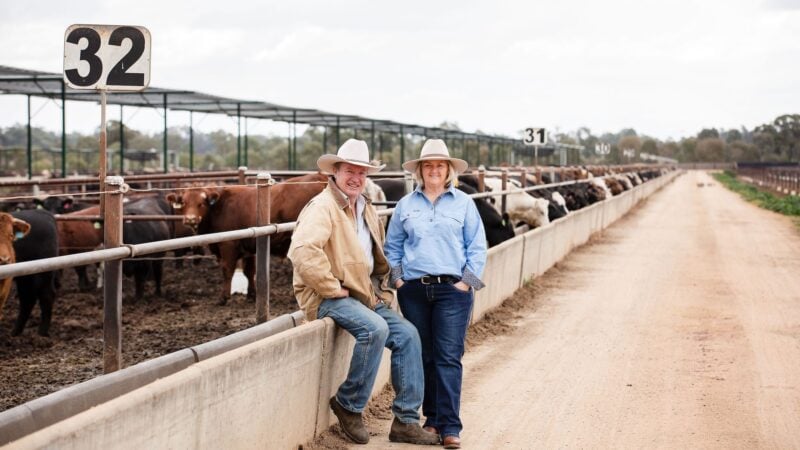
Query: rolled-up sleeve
[308,256]
[393,247]
[475,247]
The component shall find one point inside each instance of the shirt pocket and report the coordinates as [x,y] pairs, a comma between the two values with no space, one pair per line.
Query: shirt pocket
[412,224]
[453,222]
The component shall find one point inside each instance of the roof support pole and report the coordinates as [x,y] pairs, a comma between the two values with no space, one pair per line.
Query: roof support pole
[489,154]
[294,140]
[478,156]
[63,131]
[324,139]
[289,146]
[121,142]
[402,146]
[238,135]
[372,138]
[380,146]
[30,143]
[191,141]
[166,161]
[245,142]
[338,142]
[464,152]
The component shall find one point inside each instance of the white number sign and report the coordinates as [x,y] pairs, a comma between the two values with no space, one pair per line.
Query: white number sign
[602,148]
[535,136]
[112,57]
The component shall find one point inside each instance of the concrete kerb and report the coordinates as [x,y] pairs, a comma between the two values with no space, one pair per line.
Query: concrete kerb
[503,277]
[60,405]
[212,404]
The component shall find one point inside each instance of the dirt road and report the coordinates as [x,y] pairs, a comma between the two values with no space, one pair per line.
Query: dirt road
[678,328]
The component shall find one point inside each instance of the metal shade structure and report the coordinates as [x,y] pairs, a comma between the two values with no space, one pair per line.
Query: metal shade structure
[16,81]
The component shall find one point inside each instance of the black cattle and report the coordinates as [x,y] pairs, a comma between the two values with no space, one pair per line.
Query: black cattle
[554,209]
[393,188]
[60,205]
[40,242]
[140,232]
[498,228]
[12,206]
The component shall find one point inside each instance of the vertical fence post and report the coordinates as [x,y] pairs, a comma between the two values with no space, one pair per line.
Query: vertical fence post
[242,176]
[112,276]
[524,177]
[409,181]
[264,184]
[503,187]
[481,179]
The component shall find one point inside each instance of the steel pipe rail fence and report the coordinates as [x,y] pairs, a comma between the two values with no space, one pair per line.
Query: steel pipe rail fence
[783,180]
[229,175]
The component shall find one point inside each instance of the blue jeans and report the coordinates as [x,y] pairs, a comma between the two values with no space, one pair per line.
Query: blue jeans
[441,314]
[374,330]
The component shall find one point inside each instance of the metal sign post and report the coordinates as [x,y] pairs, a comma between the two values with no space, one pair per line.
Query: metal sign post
[107,58]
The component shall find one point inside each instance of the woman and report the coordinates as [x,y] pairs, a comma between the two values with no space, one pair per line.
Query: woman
[436,246]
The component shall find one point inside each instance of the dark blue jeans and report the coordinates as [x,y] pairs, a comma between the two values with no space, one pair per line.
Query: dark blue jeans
[441,314]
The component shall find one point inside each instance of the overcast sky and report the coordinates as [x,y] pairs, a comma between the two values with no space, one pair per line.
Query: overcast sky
[667,69]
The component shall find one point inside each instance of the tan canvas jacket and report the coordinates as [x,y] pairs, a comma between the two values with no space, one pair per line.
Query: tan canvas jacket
[326,255]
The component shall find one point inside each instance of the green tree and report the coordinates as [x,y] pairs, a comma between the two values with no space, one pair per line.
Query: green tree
[710,150]
[707,133]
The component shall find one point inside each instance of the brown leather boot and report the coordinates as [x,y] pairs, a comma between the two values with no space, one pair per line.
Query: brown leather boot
[351,423]
[411,433]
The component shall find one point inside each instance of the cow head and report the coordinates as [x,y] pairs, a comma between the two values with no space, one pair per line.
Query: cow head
[11,229]
[193,204]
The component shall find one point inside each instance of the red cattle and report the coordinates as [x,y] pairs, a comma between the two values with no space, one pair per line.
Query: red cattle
[80,236]
[212,210]
[10,229]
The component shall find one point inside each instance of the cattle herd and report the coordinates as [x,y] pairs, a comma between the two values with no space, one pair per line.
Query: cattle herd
[31,231]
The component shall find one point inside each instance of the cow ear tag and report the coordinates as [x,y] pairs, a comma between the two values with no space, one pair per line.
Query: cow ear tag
[19,235]
[177,206]
[97,225]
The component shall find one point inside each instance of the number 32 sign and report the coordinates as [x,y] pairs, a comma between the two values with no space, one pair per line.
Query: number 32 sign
[112,57]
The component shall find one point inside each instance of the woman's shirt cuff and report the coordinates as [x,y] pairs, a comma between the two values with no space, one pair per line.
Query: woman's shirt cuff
[472,280]
[395,274]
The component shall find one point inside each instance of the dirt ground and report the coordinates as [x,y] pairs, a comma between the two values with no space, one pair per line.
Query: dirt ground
[32,366]
[678,327]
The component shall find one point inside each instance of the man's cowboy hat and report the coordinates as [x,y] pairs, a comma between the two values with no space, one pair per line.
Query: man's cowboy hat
[353,151]
[435,149]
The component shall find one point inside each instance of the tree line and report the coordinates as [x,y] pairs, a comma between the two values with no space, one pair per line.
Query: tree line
[776,141]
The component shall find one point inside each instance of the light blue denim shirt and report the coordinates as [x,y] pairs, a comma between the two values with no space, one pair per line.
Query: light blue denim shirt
[443,238]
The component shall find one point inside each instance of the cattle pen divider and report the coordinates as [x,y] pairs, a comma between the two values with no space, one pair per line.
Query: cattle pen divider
[508,259]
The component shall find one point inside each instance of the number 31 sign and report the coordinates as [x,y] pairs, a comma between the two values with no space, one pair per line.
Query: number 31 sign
[111,57]
[535,136]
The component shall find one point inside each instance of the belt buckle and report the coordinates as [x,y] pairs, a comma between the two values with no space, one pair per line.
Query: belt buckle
[423,279]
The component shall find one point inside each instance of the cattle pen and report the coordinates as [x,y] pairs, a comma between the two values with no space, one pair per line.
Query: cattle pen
[549,244]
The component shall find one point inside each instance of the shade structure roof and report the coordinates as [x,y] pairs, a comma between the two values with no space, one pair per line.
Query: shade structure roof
[47,84]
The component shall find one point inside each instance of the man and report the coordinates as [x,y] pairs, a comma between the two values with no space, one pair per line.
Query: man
[340,272]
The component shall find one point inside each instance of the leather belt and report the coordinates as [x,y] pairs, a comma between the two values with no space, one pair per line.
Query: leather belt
[438,279]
